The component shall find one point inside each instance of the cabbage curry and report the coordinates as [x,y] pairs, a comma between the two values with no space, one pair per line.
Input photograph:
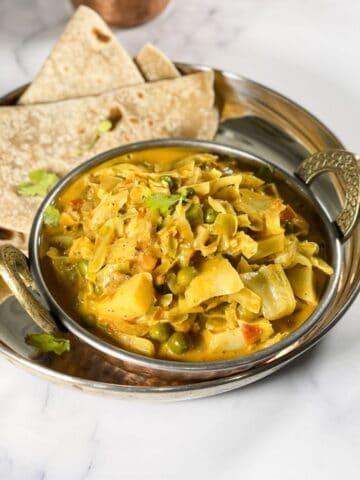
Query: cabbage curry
[177,254]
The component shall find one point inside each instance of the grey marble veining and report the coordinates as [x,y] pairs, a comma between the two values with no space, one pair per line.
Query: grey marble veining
[301,423]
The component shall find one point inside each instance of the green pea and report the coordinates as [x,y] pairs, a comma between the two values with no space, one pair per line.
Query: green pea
[289,228]
[185,275]
[160,331]
[89,320]
[194,215]
[83,267]
[168,181]
[98,290]
[178,343]
[210,215]
[187,192]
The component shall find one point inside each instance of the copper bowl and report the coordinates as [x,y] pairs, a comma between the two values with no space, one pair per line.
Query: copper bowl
[125,13]
[14,266]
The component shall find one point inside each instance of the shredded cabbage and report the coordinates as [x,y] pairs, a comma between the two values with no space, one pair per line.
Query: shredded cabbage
[189,246]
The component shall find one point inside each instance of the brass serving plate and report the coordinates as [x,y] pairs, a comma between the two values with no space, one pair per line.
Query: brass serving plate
[261,122]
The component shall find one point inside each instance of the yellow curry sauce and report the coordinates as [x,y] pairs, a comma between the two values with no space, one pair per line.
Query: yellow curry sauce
[177,254]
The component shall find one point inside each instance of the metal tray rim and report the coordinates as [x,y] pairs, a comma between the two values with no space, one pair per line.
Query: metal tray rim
[205,388]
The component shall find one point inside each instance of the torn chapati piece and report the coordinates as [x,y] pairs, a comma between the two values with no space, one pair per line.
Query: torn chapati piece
[56,137]
[155,65]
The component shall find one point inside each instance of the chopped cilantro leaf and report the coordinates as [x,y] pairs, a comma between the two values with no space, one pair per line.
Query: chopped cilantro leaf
[47,343]
[161,202]
[51,216]
[266,174]
[40,183]
[104,126]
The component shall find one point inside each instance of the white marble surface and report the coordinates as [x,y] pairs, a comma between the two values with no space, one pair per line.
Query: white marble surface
[301,423]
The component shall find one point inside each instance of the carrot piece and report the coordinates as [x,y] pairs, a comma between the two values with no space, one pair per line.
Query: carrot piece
[77,203]
[251,333]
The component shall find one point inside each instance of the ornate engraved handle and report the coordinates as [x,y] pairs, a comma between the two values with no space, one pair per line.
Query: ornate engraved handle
[346,167]
[16,274]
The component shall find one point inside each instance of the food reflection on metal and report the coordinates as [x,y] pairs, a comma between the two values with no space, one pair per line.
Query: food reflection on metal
[125,13]
[83,361]
[346,167]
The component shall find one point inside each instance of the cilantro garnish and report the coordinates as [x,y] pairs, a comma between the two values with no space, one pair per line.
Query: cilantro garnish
[47,343]
[161,202]
[40,183]
[104,126]
[51,216]
[266,174]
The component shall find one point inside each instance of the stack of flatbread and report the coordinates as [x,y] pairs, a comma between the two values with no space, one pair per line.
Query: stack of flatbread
[89,77]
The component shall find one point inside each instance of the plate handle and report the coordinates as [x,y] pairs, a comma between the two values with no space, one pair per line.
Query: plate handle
[16,274]
[346,167]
